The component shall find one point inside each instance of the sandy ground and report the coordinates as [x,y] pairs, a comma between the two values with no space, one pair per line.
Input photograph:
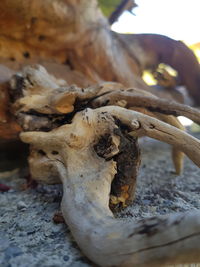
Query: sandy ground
[29,237]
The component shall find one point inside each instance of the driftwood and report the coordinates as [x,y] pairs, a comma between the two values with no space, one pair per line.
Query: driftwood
[86,148]
[81,46]
[85,136]
[87,178]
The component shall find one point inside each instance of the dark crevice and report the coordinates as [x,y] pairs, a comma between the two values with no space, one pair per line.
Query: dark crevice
[54,152]
[164,245]
[26,54]
[160,110]
[17,92]
[12,59]
[149,227]
[41,38]
[69,63]
[128,162]
[41,152]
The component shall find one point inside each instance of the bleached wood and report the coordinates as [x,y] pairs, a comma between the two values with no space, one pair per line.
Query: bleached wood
[134,98]
[156,129]
[177,155]
[87,180]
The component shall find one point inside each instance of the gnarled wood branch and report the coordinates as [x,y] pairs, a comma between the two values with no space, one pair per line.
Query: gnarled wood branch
[80,37]
[105,240]
[177,155]
[134,98]
[83,42]
[42,102]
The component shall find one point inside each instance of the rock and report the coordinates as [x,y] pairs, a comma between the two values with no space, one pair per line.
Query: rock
[65,258]
[21,205]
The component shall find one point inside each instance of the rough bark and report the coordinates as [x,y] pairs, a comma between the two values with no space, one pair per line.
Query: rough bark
[76,49]
[86,44]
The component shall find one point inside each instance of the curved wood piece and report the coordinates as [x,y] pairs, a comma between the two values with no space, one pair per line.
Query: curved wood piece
[145,125]
[177,155]
[152,103]
[105,240]
[152,49]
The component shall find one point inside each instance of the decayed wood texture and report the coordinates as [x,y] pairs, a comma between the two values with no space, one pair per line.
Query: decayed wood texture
[104,239]
[68,136]
[9,129]
[81,49]
[40,102]
[83,149]
[80,37]
[135,97]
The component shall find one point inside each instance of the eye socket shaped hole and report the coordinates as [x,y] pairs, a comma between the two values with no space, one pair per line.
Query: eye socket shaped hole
[41,152]
[54,152]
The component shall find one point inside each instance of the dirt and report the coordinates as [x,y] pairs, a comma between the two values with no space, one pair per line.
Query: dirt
[29,237]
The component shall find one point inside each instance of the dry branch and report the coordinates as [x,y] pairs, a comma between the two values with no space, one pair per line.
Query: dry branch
[177,155]
[81,46]
[152,49]
[154,241]
[87,150]
[42,102]
[152,103]
[38,96]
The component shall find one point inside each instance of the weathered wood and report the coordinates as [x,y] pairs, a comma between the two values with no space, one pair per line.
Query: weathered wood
[150,50]
[105,240]
[9,129]
[127,160]
[136,98]
[83,43]
[42,103]
[65,140]
[177,155]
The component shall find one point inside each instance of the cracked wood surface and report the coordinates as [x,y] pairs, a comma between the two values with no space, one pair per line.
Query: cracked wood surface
[165,239]
[42,102]
[64,141]
[135,98]
[81,45]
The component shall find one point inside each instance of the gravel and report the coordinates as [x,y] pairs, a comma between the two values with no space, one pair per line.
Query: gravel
[30,238]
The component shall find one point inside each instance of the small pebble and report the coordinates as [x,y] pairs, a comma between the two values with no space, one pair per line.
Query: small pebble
[21,205]
[65,258]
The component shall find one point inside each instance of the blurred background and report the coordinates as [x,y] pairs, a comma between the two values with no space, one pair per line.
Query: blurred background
[177,19]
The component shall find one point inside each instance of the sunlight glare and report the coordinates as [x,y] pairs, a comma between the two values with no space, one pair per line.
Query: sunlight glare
[178,19]
[185,121]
